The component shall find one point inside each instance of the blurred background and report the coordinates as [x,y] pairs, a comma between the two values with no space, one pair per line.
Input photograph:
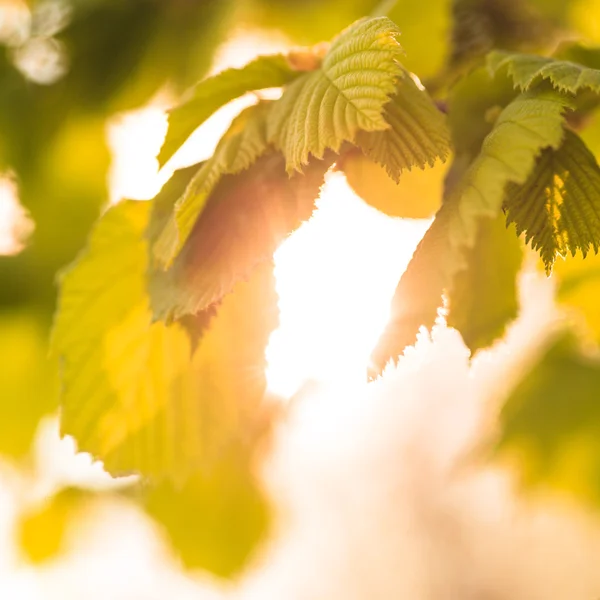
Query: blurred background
[375,489]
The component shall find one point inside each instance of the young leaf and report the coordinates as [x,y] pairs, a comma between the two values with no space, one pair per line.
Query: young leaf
[527,69]
[549,424]
[417,136]
[558,207]
[239,148]
[530,123]
[322,109]
[483,297]
[133,395]
[212,93]
[244,220]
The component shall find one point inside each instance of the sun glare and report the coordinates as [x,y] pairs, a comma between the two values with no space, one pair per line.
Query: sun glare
[335,275]
[335,279]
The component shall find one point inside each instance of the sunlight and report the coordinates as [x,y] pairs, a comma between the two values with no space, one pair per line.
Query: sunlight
[15,225]
[335,275]
[335,278]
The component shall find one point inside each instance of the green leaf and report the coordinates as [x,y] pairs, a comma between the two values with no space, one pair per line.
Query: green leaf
[417,136]
[245,219]
[483,298]
[549,424]
[45,529]
[214,92]
[28,385]
[346,94]
[579,289]
[530,123]
[527,69]
[216,519]
[239,148]
[558,207]
[416,196]
[132,393]
[42,531]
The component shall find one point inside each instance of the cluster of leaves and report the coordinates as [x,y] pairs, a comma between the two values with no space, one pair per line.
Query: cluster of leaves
[163,319]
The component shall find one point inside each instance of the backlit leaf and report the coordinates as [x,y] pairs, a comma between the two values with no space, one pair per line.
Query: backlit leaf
[483,298]
[347,94]
[245,219]
[417,135]
[578,289]
[526,126]
[239,148]
[558,207]
[132,393]
[216,519]
[416,196]
[214,92]
[549,424]
[527,69]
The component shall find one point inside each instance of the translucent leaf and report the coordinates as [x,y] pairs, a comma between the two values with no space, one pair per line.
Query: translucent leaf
[346,94]
[527,69]
[483,298]
[245,219]
[239,148]
[42,531]
[578,289]
[216,519]
[132,393]
[526,126]
[558,207]
[27,381]
[417,135]
[416,196]
[214,92]
[549,424]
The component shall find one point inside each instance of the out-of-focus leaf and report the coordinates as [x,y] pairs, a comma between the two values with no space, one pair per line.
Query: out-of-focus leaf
[417,135]
[121,53]
[558,207]
[416,196]
[132,393]
[27,385]
[326,107]
[579,288]
[527,125]
[212,93]
[474,103]
[305,21]
[239,148]
[217,518]
[549,424]
[483,298]
[41,532]
[244,220]
[481,25]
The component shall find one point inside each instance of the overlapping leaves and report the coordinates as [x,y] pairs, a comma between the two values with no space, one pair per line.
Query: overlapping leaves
[527,125]
[356,79]
[133,393]
[239,148]
[214,92]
